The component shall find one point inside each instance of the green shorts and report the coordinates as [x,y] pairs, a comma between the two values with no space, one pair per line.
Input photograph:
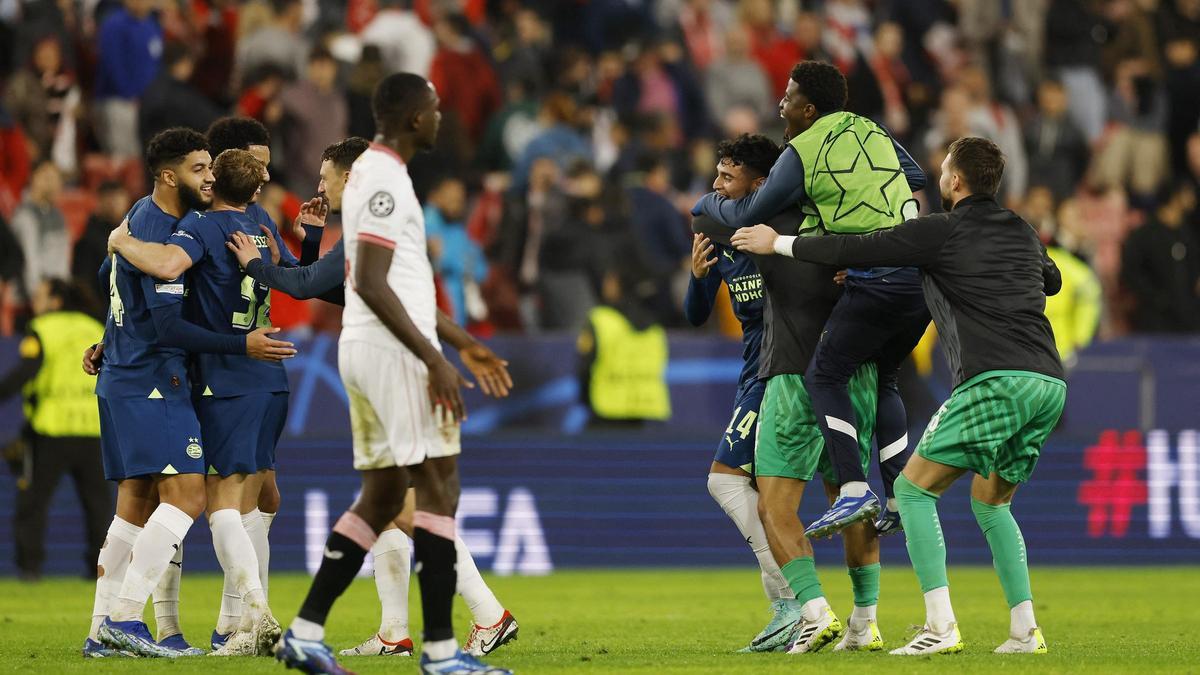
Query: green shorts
[996,421]
[789,443]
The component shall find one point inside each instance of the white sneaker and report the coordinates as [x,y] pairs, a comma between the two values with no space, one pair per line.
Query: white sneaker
[241,643]
[1033,643]
[929,642]
[377,646]
[865,637]
[266,633]
[483,641]
[811,636]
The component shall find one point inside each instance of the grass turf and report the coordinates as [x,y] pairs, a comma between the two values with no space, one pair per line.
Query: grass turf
[678,621]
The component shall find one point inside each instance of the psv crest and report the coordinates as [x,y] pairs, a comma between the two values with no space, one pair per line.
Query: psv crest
[193,449]
[381,204]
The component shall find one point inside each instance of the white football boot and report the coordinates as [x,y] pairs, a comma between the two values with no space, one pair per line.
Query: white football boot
[928,641]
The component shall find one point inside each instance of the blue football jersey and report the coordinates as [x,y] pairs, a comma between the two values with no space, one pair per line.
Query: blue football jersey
[746,293]
[134,364]
[259,216]
[224,299]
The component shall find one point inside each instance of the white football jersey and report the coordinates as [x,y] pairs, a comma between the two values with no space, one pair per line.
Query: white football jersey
[379,206]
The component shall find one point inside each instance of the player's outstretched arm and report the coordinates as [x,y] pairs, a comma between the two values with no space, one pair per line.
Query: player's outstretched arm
[370,281]
[161,261]
[489,369]
[914,242]
[175,331]
[324,279]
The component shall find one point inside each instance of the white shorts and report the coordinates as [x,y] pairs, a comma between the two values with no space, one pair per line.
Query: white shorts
[391,419]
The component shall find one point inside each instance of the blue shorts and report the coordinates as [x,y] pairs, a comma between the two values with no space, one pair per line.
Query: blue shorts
[737,444]
[149,436]
[241,431]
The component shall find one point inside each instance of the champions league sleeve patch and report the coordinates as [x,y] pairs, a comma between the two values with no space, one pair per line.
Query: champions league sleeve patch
[382,204]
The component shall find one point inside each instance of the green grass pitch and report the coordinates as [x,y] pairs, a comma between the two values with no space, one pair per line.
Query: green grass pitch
[1100,620]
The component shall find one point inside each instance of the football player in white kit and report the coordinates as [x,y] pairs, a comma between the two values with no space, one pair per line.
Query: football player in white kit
[405,397]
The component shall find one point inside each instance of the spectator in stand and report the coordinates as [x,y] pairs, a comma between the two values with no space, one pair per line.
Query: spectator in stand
[408,45]
[1074,312]
[130,46]
[1180,36]
[773,51]
[44,99]
[12,274]
[281,42]
[997,121]
[704,27]
[1075,32]
[464,79]
[1160,266]
[315,116]
[457,260]
[91,248]
[556,139]
[661,232]
[40,228]
[1134,156]
[892,77]
[260,99]
[172,101]
[1057,149]
[525,55]
[737,81]
[14,162]
[526,216]
[217,22]
[359,86]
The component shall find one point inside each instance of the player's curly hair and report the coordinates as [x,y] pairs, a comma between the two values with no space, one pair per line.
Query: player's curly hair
[756,153]
[170,147]
[344,152]
[822,84]
[238,176]
[236,133]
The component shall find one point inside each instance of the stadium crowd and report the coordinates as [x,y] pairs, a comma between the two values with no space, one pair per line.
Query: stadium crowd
[578,133]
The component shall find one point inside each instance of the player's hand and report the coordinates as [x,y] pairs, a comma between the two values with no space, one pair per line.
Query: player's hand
[119,232]
[271,244]
[92,358]
[312,212]
[489,370]
[243,248]
[702,248]
[759,240]
[840,278]
[445,390]
[260,345]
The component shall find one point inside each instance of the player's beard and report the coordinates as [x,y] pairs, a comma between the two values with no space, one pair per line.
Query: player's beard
[191,199]
[947,201]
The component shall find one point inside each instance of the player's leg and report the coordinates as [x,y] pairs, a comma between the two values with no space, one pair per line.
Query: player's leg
[861,544]
[257,630]
[263,493]
[393,567]
[786,455]
[436,482]
[135,502]
[991,502]
[852,336]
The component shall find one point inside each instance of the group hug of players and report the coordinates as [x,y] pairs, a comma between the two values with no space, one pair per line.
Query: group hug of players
[193,396]
[836,282]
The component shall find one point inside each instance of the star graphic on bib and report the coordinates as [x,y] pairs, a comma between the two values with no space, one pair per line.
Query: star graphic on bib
[842,160]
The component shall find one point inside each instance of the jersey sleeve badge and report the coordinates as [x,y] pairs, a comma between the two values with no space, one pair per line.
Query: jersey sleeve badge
[382,204]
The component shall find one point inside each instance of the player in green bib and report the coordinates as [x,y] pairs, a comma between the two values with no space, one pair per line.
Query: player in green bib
[848,176]
[986,277]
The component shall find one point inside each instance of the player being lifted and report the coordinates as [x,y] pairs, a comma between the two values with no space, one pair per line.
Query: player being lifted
[790,449]
[404,394]
[846,171]
[241,404]
[986,275]
[144,377]
[729,475]
[493,625]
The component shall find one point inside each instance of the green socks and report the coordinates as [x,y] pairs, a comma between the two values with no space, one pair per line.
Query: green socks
[923,531]
[1008,549]
[801,575]
[865,581]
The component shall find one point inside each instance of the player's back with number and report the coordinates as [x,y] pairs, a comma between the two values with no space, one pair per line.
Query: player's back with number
[134,363]
[222,298]
[379,206]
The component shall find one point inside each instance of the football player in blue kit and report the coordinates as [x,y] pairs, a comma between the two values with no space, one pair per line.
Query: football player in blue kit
[739,172]
[241,404]
[159,467]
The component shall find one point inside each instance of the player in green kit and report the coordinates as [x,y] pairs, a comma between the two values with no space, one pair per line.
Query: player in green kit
[986,276]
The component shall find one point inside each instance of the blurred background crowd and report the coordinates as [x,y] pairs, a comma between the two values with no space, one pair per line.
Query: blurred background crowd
[577,133]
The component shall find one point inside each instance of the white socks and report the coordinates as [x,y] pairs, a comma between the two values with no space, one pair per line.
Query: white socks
[441,649]
[307,630]
[938,612]
[111,566]
[1021,620]
[855,488]
[814,609]
[891,505]
[485,608]
[166,599]
[256,529]
[152,554]
[392,570]
[861,615]
[740,502]
[235,552]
